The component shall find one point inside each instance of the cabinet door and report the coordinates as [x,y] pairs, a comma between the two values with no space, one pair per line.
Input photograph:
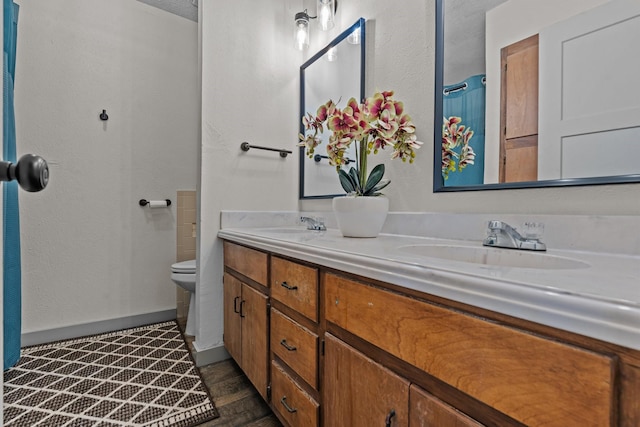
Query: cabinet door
[232,321]
[426,410]
[359,392]
[255,356]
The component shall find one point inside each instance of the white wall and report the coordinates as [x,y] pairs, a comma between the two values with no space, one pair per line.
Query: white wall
[249,93]
[90,253]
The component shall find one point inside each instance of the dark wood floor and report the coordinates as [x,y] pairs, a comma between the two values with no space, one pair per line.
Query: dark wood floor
[235,397]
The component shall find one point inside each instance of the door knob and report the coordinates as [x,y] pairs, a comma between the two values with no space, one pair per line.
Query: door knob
[31,172]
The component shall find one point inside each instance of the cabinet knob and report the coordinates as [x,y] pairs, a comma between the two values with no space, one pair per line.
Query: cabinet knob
[287,286]
[287,407]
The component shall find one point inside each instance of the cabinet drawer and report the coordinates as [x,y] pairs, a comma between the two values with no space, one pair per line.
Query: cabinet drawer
[296,346]
[296,286]
[536,381]
[290,401]
[246,261]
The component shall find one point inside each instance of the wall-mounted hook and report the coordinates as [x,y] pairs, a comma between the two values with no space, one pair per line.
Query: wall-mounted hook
[103,115]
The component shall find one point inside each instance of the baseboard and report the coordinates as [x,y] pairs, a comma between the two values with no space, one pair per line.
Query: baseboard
[210,355]
[93,328]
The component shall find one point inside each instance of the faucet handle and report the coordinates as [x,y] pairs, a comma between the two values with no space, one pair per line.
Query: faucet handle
[532,230]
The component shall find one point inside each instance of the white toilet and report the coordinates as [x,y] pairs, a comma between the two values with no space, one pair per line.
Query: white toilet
[184,275]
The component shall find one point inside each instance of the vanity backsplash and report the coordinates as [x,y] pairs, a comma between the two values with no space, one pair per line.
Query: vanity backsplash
[594,233]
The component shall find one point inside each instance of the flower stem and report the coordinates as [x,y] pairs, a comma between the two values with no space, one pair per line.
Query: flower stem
[362,159]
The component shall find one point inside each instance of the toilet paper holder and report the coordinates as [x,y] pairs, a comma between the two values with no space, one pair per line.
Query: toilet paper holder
[145,202]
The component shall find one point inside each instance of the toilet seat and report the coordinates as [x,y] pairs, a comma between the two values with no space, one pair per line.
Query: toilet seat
[185,267]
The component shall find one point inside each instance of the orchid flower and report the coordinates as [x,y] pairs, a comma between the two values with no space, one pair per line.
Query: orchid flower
[377,122]
[454,135]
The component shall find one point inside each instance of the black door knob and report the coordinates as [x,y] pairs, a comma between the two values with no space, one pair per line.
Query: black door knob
[31,172]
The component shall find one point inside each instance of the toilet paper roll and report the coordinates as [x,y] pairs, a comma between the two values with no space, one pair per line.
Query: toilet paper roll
[158,204]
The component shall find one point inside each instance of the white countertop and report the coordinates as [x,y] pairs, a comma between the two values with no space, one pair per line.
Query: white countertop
[600,301]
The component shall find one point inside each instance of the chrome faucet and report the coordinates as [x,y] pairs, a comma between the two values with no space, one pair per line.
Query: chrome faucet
[313,223]
[502,235]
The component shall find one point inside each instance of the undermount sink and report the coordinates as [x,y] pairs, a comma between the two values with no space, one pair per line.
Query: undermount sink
[493,256]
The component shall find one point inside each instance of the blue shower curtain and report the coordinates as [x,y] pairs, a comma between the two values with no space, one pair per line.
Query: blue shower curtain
[468,104]
[11,220]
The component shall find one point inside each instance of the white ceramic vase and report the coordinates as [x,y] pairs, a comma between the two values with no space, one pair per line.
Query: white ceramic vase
[360,216]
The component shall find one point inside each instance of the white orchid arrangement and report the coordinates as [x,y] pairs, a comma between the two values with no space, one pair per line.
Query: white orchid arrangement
[375,124]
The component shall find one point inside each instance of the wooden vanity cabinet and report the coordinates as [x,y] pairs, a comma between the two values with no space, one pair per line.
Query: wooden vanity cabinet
[342,350]
[246,320]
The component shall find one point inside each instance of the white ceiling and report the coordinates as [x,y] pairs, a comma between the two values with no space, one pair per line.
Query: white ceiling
[185,8]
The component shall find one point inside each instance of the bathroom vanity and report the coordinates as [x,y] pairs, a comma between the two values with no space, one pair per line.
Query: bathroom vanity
[373,332]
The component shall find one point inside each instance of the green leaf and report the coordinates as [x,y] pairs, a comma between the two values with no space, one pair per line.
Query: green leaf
[382,184]
[374,178]
[345,181]
[355,179]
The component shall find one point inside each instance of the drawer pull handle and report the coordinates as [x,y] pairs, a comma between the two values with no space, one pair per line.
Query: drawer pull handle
[235,305]
[390,415]
[241,307]
[287,286]
[288,408]
[287,346]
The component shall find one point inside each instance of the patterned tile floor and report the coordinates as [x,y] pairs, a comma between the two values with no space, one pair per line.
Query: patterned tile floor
[141,376]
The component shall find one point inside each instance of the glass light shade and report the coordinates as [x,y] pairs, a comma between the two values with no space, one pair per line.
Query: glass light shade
[354,37]
[301,31]
[326,13]
[332,54]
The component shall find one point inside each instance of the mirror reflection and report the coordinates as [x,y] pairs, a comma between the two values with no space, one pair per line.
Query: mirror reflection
[537,93]
[337,73]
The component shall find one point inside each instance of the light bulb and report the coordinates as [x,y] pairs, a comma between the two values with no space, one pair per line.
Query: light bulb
[332,54]
[354,37]
[301,31]
[326,11]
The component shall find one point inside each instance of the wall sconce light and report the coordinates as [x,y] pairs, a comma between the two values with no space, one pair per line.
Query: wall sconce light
[301,30]
[325,13]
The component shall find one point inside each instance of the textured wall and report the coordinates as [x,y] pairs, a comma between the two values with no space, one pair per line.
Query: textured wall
[90,253]
[249,93]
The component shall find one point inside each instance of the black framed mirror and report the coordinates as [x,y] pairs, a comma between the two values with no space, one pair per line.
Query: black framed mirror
[336,72]
[586,115]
